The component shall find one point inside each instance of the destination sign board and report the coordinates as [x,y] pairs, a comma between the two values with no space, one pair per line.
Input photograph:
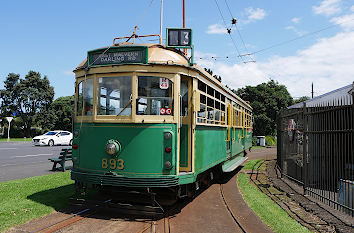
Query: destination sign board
[117,55]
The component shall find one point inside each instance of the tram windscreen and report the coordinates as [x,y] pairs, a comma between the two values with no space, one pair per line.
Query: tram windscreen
[85,98]
[155,96]
[114,96]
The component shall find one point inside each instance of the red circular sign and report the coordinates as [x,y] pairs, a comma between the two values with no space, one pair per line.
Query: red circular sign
[168,111]
[162,111]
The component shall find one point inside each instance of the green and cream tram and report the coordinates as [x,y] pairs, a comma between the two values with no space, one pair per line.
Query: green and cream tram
[146,117]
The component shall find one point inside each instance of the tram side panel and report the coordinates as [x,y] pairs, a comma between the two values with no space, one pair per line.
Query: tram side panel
[210,147]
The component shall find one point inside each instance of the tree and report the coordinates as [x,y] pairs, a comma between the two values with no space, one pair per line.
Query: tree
[301,99]
[29,97]
[63,107]
[9,95]
[266,100]
[217,77]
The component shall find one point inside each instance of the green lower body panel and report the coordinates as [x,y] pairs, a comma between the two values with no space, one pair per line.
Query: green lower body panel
[100,179]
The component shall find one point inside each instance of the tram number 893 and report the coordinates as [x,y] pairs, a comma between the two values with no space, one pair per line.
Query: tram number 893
[113,164]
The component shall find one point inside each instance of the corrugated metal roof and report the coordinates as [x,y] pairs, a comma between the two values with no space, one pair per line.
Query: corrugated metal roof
[340,96]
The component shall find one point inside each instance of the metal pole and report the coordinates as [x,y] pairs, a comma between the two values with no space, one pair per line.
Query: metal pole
[304,149]
[161,17]
[8,132]
[184,22]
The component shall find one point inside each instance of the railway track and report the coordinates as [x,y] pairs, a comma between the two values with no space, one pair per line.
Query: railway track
[226,202]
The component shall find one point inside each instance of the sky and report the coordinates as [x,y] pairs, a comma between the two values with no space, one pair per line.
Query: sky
[295,43]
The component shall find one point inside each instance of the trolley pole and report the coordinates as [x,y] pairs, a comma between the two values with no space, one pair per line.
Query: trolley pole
[161,17]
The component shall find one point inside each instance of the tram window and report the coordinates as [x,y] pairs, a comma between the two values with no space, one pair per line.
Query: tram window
[222,98]
[210,115]
[217,95]
[201,86]
[184,94]
[202,99]
[114,95]
[217,115]
[217,104]
[222,107]
[210,91]
[154,99]
[85,98]
[210,102]
[201,112]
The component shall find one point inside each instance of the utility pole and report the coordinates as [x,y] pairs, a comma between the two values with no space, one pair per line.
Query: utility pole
[312,90]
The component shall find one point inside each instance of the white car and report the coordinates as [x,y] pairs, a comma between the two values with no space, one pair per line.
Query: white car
[52,138]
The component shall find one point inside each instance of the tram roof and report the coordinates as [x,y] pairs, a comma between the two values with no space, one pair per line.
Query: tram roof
[159,54]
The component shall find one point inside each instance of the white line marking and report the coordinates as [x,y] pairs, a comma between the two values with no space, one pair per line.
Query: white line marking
[24,156]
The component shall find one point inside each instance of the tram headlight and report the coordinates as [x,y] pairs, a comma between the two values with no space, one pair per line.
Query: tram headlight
[112,147]
[76,133]
[168,165]
[168,135]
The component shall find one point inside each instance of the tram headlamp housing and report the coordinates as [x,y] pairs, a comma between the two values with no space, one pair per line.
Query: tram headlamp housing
[112,147]
[76,133]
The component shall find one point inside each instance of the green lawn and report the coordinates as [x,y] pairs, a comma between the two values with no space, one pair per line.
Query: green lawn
[25,199]
[16,140]
[270,213]
[253,165]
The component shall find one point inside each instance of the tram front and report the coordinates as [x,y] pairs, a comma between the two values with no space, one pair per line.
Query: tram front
[126,118]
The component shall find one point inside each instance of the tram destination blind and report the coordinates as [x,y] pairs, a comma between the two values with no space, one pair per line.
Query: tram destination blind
[117,57]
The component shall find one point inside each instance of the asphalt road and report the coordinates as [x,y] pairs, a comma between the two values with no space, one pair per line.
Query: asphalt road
[21,159]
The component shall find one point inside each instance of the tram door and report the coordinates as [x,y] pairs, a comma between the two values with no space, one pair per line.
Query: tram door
[185,157]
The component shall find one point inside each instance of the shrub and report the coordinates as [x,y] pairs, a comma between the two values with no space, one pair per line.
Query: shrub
[270,141]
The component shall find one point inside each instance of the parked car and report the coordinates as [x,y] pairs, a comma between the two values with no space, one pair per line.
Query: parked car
[51,138]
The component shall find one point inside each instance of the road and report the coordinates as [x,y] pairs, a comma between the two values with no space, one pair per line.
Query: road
[22,159]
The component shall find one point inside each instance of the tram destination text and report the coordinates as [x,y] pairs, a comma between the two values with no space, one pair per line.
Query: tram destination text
[117,58]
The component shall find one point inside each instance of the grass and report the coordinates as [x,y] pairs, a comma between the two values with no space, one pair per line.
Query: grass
[16,140]
[269,212]
[253,164]
[26,199]
[257,147]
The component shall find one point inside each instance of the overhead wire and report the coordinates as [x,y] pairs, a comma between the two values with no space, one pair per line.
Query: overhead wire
[232,39]
[300,37]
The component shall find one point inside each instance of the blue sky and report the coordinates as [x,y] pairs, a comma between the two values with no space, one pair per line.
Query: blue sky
[52,37]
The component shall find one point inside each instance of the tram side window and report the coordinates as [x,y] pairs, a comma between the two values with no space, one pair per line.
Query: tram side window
[85,98]
[155,96]
[114,96]
[212,109]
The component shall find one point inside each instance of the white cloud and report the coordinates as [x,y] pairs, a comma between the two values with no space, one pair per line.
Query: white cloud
[328,64]
[352,8]
[345,21]
[292,28]
[255,14]
[296,20]
[68,72]
[216,29]
[328,7]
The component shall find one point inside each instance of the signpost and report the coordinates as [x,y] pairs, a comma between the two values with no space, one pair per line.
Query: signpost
[9,119]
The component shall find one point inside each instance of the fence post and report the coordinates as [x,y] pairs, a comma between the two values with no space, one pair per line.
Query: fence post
[305,142]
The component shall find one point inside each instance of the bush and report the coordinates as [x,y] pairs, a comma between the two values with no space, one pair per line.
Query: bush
[270,141]
[254,141]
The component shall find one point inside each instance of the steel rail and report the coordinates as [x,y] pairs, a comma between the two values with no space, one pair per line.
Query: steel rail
[230,211]
[67,218]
